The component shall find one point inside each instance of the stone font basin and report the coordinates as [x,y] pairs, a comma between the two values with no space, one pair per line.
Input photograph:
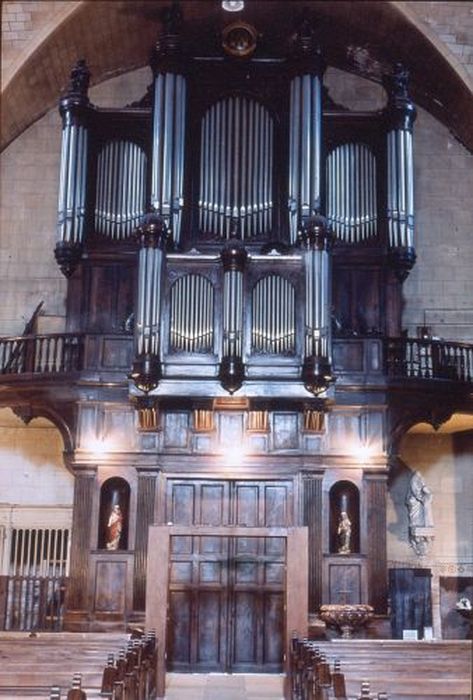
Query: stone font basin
[346,617]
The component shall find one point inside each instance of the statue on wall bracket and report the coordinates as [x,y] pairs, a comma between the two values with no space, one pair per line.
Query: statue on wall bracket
[419,510]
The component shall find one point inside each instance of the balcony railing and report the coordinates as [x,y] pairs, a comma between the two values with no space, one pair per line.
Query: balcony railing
[404,358]
[41,354]
[429,359]
[32,602]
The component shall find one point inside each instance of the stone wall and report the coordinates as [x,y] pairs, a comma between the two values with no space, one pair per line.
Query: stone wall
[444,461]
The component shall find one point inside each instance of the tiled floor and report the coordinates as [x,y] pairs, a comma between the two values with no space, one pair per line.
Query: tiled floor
[220,686]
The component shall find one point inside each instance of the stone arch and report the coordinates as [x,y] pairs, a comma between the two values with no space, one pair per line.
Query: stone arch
[124,32]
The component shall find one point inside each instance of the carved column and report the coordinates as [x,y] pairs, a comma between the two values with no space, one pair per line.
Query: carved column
[73,174]
[145,517]
[169,113]
[400,115]
[313,520]
[376,489]
[78,586]
[232,370]
[305,130]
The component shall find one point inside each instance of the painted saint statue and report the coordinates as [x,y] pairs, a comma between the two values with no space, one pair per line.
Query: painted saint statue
[114,527]
[344,534]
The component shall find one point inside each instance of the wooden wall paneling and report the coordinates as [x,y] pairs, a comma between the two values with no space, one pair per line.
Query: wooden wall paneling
[313,520]
[77,594]
[375,509]
[145,517]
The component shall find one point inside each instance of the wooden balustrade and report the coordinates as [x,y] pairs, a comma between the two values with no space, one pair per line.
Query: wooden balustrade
[420,358]
[41,354]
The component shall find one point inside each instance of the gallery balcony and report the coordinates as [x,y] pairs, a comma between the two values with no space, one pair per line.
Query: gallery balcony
[63,359]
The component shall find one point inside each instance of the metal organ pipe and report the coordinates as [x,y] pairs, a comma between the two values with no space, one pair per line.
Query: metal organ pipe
[401,115]
[191,311]
[236,168]
[273,316]
[316,371]
[232,370]
[152,235]
[120,191]
[169,117]
[305,144]
[73,171]
[351,192]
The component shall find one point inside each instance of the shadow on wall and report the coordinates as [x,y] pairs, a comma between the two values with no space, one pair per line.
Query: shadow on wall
[399,478]
[39,443]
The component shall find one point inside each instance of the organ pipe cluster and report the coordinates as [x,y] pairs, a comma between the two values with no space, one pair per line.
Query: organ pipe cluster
[169,111]
[236,166]
[152,235]
[316,371]
[273,313]
[401,115]
[351,193]
[73,174]
[231,368]
[192,314]
[305,133]
[121,189]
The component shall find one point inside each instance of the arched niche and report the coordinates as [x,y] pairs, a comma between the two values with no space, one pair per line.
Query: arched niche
[114,514]
[344,497]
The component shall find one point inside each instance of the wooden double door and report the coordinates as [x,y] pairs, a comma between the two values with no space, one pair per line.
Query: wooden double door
[226,603]
[226,592]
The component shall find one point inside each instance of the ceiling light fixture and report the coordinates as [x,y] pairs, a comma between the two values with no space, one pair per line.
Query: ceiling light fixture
[233,5]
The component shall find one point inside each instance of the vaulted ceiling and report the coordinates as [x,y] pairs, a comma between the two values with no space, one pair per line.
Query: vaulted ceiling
[115,37]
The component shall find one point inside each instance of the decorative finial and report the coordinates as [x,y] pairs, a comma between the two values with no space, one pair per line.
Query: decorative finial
[79,79]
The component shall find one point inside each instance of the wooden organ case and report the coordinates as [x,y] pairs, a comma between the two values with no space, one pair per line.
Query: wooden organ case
[235,245]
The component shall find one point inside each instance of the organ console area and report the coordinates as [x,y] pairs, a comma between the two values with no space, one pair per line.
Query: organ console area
[235,244]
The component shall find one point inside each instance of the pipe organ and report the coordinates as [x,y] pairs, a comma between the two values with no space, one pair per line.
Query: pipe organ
[214,167]
[235,241]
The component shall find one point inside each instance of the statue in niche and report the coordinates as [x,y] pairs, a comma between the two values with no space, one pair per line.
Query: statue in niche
[114,527]
[344,534]
[419,510]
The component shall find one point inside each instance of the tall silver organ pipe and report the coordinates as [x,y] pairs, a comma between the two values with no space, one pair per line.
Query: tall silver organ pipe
[351,205]
[273,308]
[400,188]
[236,160]
[317,338]
[167,179]
[231,368]
[120,197]
[192,314]
[305,146]
[152,235]
[73,173]
[401,114]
